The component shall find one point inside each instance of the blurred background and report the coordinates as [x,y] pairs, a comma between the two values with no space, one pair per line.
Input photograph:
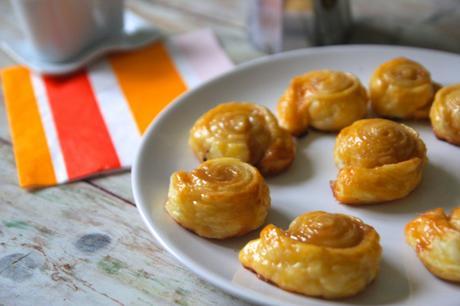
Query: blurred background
[424,23]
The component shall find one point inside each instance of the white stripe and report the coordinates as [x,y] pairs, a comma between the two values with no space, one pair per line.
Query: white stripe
[186,71]
[57,158]
[115,111]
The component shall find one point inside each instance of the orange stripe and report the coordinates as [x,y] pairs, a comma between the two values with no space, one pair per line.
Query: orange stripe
[149,81]
[84,138]
[33,159]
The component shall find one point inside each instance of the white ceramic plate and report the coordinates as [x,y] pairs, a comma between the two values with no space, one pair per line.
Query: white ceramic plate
[402,281]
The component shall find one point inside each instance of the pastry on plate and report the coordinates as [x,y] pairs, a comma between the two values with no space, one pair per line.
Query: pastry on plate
[246,131]
[435,237]
[401,88]
[445,114]
[324,99]
[379,160]
[321,254]
[222,198]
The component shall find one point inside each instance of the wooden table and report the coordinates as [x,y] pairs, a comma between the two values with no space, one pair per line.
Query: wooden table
[84,243]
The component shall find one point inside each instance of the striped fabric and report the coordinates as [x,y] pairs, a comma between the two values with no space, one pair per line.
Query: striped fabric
[67,128]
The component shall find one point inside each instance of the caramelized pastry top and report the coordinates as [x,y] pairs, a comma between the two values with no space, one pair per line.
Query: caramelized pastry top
[325,82]
[328,230]
[405,73]
[221,175]
[372,143]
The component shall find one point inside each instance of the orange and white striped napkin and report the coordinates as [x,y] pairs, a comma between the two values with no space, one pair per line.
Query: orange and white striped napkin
[68,128]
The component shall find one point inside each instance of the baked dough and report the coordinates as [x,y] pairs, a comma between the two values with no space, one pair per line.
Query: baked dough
[321,254]
[445,114]
[436,239]
[324,99]
[246,131]
[401,88]
[379,160]
[222,198]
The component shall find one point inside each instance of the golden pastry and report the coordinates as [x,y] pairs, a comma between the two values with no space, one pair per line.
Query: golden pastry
[222,198]
[321,254]
[324,99]
[445,114]
[379,160]
[246,131]
[401,88]
[436,239]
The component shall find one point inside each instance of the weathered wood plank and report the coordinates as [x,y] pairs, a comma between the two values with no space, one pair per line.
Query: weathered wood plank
[118,184]
[74,244]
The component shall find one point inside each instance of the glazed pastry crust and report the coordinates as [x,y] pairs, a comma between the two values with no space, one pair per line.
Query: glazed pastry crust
[324,99]
[401,88]
[246,131]
[222,198]
[321,254]
[379,160]
[435,237]
[445,114]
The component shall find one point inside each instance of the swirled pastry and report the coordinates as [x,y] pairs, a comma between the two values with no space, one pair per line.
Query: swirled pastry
[324,99]
[321,254]
[246,131]
[436,239]
[222,198]
[379,160]
[401,88]
[445,114]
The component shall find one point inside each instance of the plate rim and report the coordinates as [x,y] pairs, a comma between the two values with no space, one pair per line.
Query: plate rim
[209,276]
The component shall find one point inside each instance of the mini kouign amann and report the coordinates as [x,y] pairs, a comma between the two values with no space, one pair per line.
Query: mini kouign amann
[402,88]
[445,114]
[324,99]
[222,198]
[321,254]
[379,160]
[246,131]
